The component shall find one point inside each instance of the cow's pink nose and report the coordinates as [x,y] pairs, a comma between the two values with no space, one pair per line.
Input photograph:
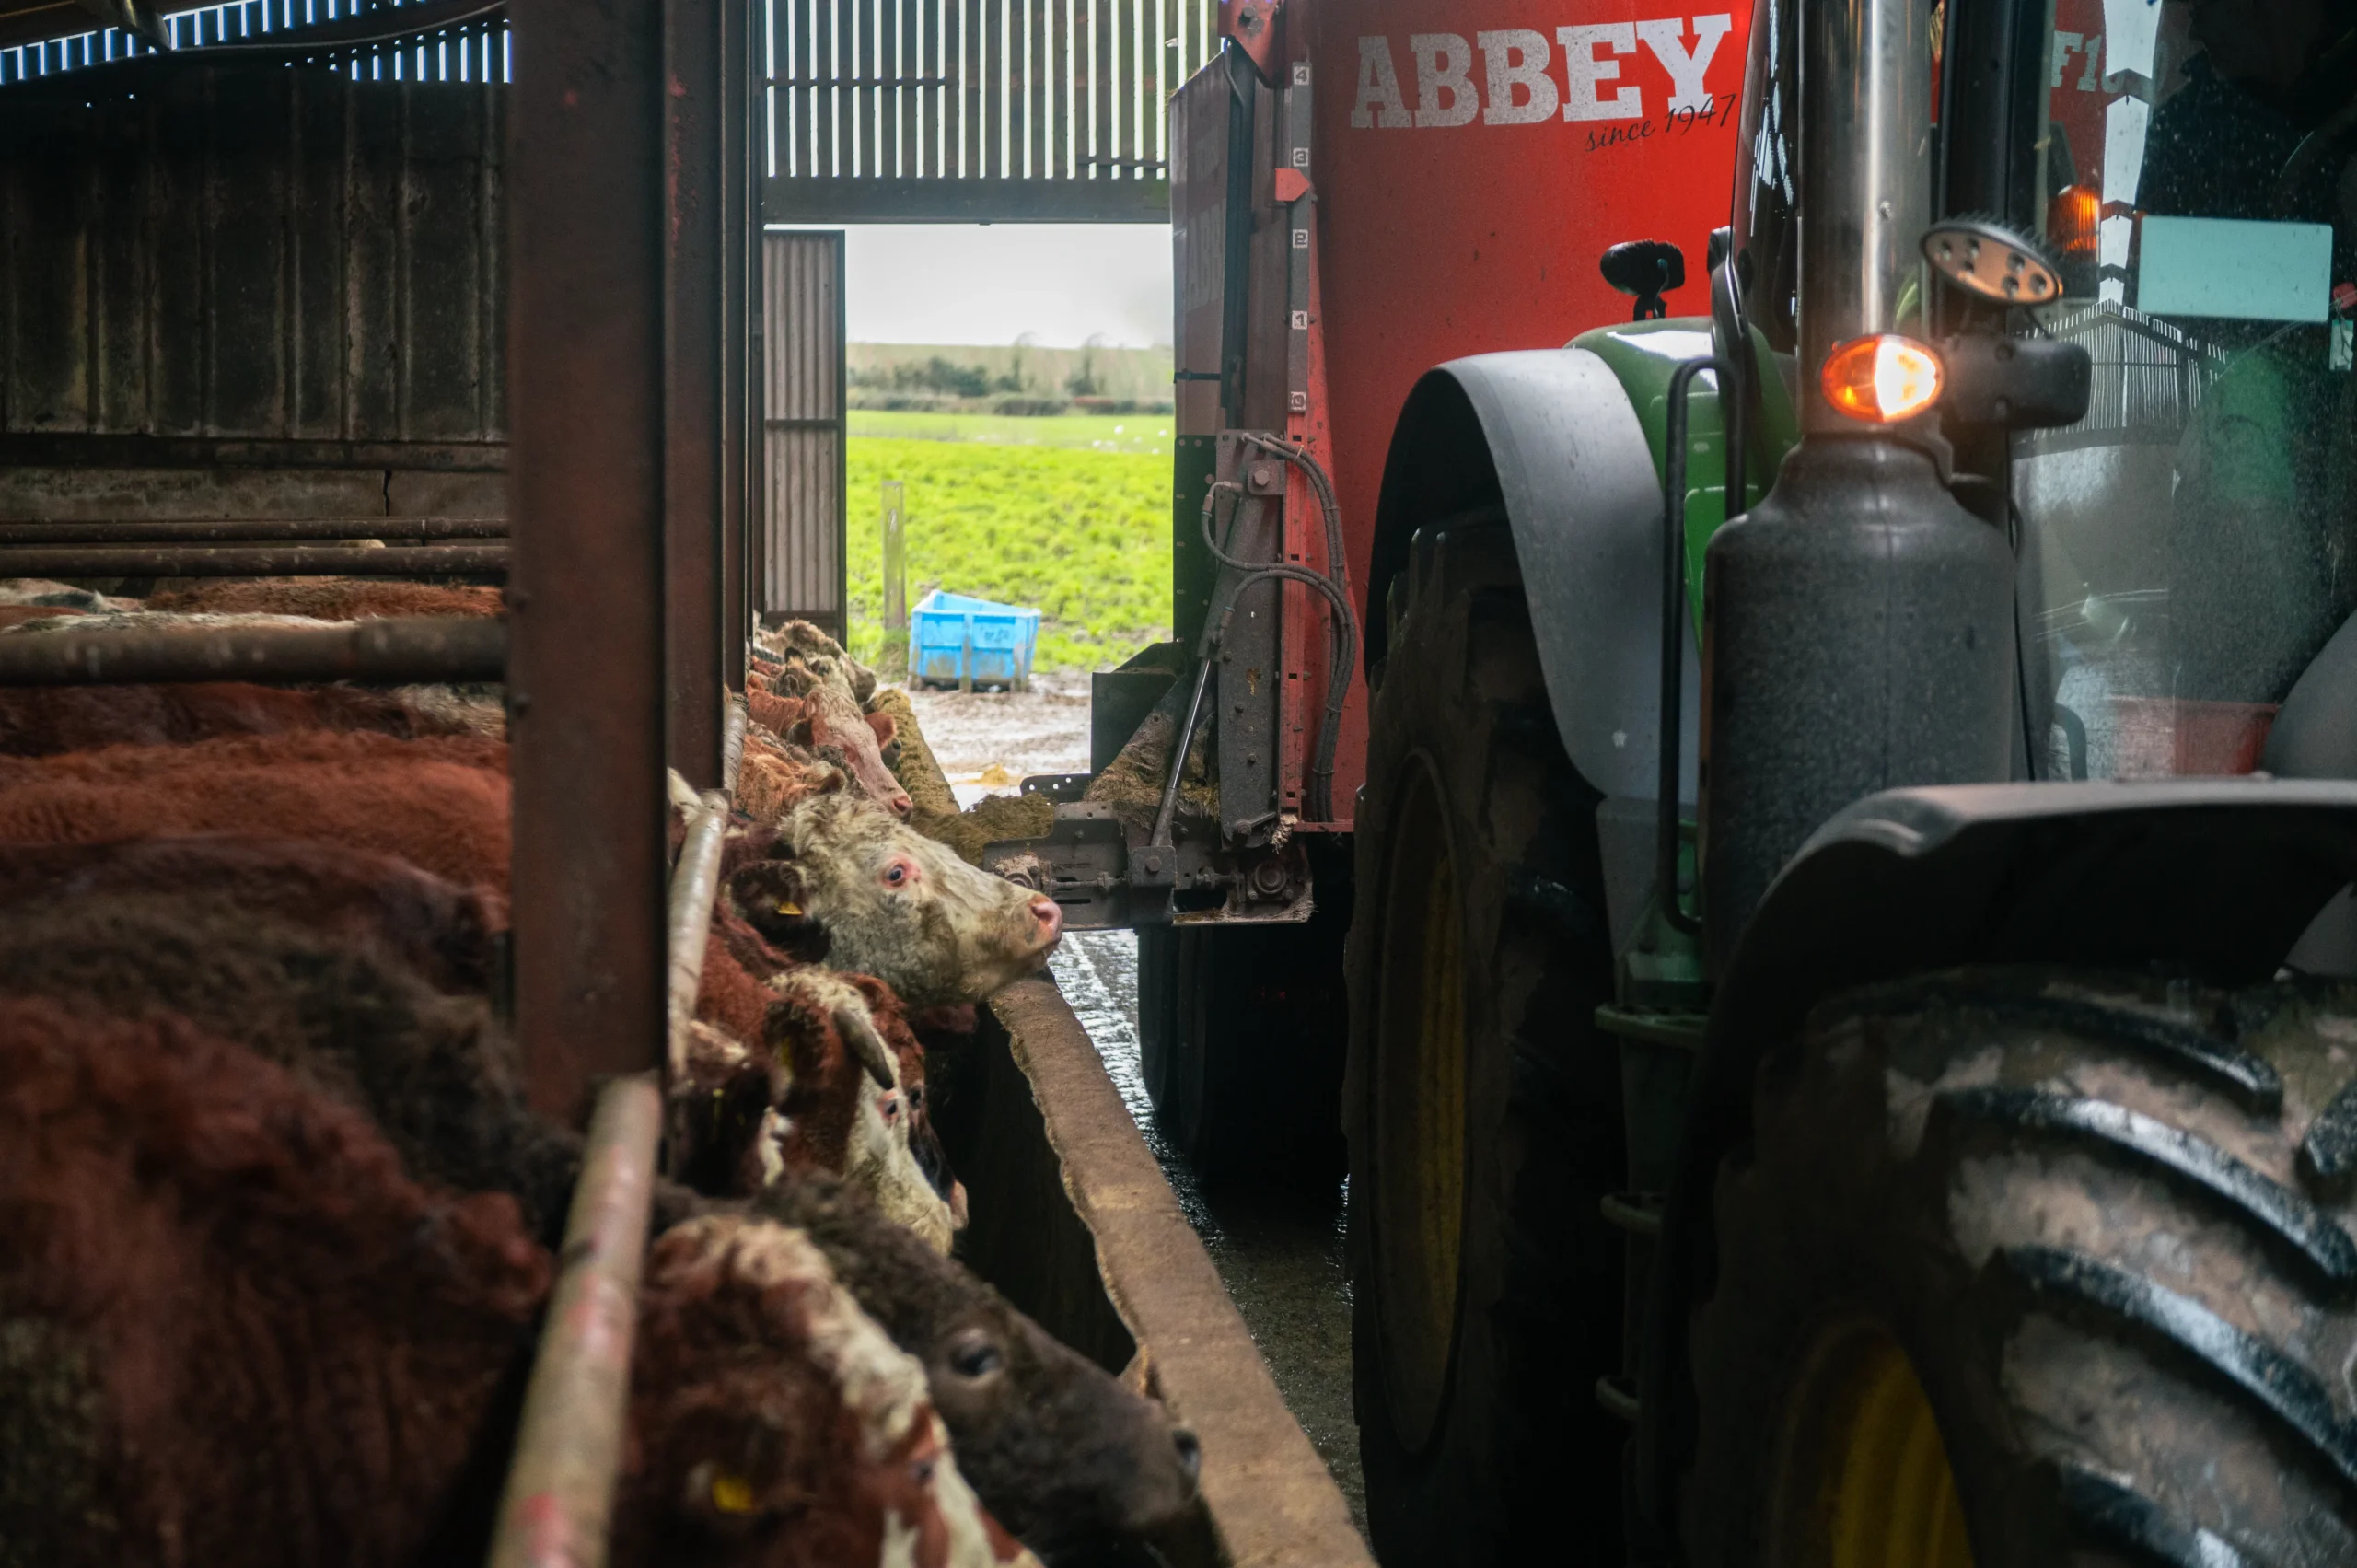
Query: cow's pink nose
[1049,918]
[901,804]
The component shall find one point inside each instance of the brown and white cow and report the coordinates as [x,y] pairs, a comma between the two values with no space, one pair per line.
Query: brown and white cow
[1065,1447]
[881,899]
[794,1074]
[846,1110]
[1102,1469]
[815,695]
[237,1333]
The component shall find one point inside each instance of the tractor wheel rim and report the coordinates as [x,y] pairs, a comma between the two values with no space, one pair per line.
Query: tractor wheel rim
[1867,1480]
[1420,1111]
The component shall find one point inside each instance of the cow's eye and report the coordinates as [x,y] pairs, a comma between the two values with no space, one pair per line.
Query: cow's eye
[900,872]
[975,1355]
[916,1097]
[890,1106]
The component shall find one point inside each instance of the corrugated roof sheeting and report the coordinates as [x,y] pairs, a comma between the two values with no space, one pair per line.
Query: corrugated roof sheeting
[244,253]
[802,283]
[477,52]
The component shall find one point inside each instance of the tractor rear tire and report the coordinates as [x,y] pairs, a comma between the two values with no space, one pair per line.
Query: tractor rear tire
[2029,1269]
[1483,1103]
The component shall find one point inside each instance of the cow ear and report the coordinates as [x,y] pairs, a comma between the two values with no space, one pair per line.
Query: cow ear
[886,727]
[769,894]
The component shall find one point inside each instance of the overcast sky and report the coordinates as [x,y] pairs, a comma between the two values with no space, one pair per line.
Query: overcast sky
[990,284]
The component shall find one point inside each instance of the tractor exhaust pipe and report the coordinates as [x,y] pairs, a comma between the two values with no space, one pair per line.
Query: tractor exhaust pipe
[1859,624]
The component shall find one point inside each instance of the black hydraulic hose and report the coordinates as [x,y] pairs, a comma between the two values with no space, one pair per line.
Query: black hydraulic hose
[1337,563]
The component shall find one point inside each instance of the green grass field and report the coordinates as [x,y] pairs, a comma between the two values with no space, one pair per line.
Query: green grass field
[1082,535]
[1082,432]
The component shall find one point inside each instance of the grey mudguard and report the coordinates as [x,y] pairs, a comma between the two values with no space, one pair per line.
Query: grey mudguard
[2213,877]
[1551,434]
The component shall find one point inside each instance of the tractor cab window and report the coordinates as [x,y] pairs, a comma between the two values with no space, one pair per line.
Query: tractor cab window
[2193,542]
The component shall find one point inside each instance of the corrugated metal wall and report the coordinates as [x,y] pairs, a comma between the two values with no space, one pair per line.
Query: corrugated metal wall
[253,264]
[976,109]
[978,88]
[802,315]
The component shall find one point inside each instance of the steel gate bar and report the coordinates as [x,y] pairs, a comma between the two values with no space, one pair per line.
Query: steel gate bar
[245,531]
[452,647]
[560,1494]
[252,561]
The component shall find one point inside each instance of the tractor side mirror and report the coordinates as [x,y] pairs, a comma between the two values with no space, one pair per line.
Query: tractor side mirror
[2016,383]
[1648,269]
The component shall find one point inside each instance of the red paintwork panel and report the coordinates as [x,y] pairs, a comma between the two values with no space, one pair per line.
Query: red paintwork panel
[1460,211]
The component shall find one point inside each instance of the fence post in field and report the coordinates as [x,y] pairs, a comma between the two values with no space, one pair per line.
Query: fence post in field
[896,575]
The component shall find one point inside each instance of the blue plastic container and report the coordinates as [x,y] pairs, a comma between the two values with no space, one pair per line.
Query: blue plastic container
[956,640]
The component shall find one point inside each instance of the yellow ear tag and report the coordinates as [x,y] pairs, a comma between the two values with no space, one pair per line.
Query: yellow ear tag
[789,909]
[732,1494]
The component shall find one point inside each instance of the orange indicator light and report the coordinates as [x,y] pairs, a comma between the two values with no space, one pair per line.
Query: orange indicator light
[2073,221]
[1881,379]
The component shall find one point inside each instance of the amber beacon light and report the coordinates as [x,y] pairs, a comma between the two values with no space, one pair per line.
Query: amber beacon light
[1881,379]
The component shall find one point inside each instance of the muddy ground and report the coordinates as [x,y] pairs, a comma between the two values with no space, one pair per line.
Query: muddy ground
[1279,1253]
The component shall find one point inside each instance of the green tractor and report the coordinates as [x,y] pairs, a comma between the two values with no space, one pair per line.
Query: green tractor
[1853,1003]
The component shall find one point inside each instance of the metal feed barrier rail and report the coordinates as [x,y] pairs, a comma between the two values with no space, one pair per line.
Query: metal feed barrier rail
[627,411]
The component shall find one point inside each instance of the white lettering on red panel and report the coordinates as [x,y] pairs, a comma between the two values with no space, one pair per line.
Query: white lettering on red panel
[1517,83]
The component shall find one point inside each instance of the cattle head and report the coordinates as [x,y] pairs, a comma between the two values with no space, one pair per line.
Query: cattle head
[894,904]
[828,729]
[798,642]
[774,1426]
[1060,1452]
[772,779]
[845,1112]
[817,697]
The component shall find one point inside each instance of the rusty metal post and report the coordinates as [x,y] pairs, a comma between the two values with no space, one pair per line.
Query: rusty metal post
[560,1494]
[693,406]
[586,225]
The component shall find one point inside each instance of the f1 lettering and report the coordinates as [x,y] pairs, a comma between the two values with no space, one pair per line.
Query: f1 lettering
[1518,82]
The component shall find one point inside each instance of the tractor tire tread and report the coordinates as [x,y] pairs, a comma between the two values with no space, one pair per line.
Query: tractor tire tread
[2084,1206]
